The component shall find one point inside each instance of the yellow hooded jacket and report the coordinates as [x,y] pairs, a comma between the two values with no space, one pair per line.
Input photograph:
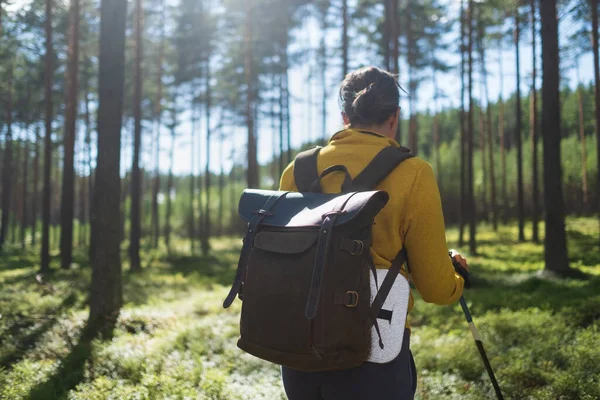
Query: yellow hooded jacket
[412,218]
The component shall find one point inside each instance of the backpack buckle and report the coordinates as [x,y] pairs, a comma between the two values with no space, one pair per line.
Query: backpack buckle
[359,246]
[353,297]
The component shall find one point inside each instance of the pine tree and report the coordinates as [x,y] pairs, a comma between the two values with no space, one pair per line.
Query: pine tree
[556,257]
[136,183]
[68,186]
[106,295]
[48,79]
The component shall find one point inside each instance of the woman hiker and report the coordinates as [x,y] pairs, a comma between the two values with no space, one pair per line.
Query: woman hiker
[412,219]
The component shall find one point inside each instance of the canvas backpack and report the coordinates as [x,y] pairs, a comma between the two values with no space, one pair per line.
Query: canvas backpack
[305,267]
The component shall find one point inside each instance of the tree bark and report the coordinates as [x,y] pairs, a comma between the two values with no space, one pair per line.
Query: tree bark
[252,173]
[7,167]
[88,151]
[192,221]
[582,138]
[323,67]
[502,136]
[520,196]
[584,172]
[155,224]
[36,190]
[206,232]
[48,80]
[281,123]
[136,184]
[482,147]
[170,180]
[221,211]
[555,242]
[15,203]
[535,214]
[387,15]
[106,295]
[471,193]
[594,15]
[488,127]
[412,85]
[25,193]
[67,205]
[463,158]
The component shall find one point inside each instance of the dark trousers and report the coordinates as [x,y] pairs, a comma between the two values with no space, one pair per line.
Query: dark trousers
[396,380]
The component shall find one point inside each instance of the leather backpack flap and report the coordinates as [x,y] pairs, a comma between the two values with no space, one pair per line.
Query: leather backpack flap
[296,210]
[285,242]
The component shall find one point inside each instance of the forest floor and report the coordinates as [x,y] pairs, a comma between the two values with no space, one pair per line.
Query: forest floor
[174,341]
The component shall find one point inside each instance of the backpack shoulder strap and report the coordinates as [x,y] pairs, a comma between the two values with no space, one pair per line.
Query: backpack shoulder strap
[305,169]
[380,167]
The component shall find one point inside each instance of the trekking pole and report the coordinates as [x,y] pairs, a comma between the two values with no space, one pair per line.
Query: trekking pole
[479,344]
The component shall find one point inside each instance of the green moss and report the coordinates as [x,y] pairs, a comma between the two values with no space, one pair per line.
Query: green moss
[173,339]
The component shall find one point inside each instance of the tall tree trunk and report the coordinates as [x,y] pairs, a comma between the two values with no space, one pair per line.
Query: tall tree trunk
[396,58]
[206,232]
[88,151]
[55,203]
[288,129]
[323,67]
[7,167]
[281,122]
[520,195]
[555,242]
[106,295]
[582,138]
[48,80]
[535,214]
[463,158]
[482,121]
[502,136]
[36,190]
[274,145]
[471,192]
[25,199]
[221,187]
[136,184]
[68,187]
[412,85]
[233,193]
[155,224]
[594,15]
[344,38]
[170,180]
[252,177]
[482,147]
[15,203]
[387,16]
[192,220]
[488,127]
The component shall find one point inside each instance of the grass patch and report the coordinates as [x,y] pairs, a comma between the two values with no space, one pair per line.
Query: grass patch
[173,340]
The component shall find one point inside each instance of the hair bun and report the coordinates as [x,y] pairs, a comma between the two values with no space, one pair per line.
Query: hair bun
[367,102]
[369,96]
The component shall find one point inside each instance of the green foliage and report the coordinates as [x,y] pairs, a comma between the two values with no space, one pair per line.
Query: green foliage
[173,340]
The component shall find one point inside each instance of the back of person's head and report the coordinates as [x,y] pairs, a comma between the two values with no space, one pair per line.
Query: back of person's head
[369,96]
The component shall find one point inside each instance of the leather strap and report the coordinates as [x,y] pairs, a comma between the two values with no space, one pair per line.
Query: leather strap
[305,169]
[381,166]
[321,258]
[384,290]
[247,246]
[388,282]
[346,185]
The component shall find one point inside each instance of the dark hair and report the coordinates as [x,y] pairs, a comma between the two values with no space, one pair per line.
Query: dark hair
[369,96]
